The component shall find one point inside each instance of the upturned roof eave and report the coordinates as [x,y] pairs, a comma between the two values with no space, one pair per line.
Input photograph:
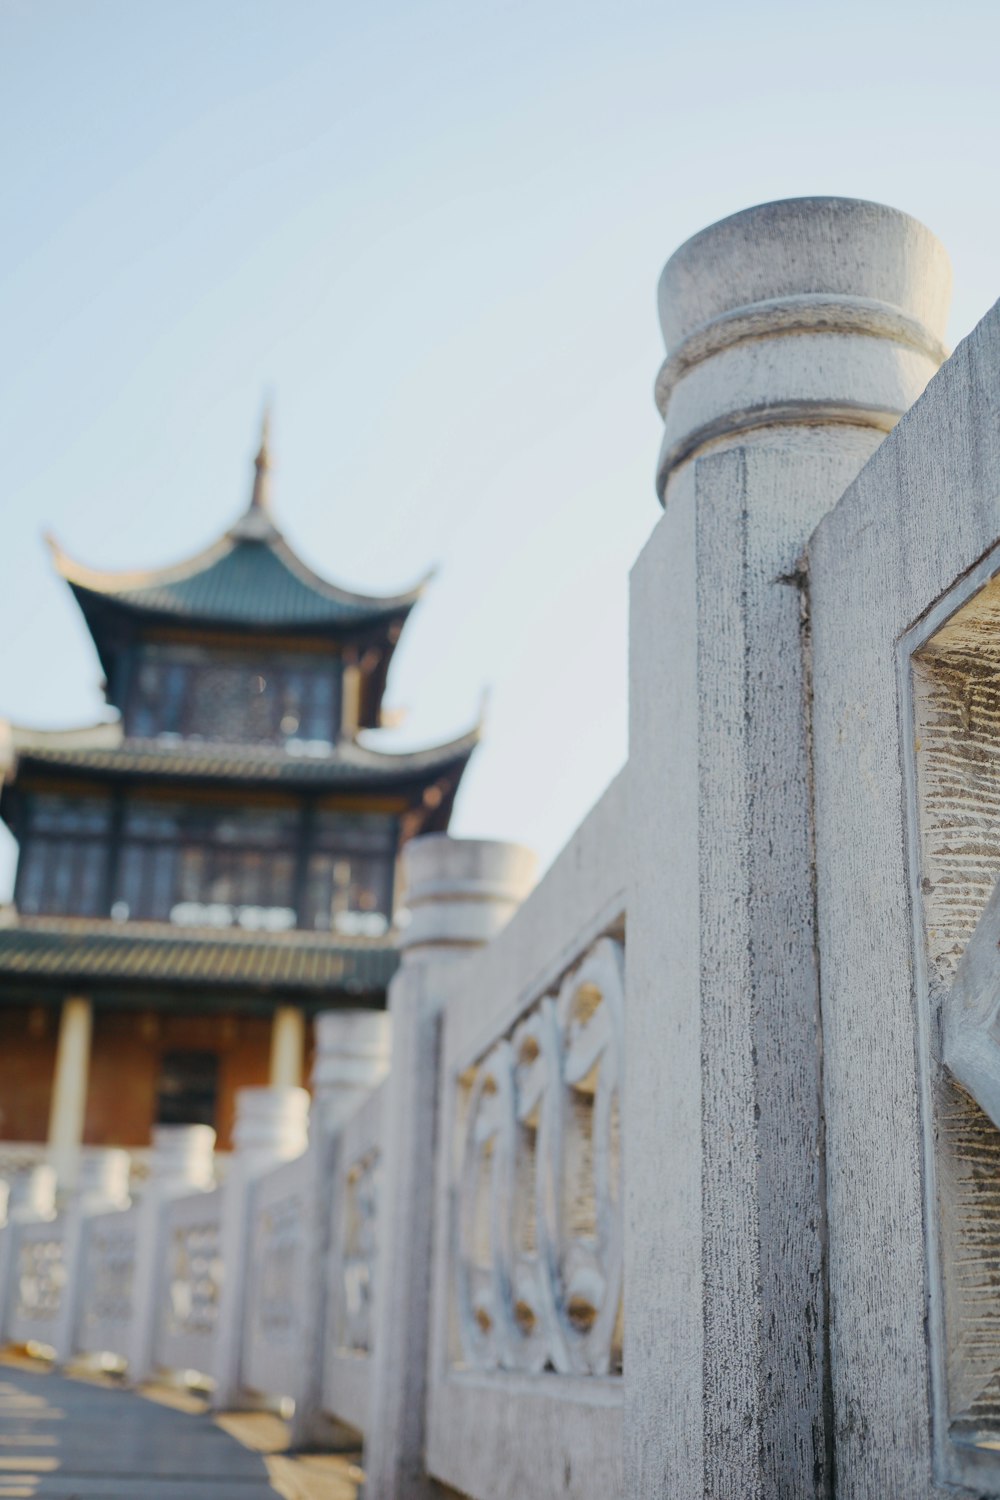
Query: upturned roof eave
[122,591]
[357,768]
[46,950]
[99,610]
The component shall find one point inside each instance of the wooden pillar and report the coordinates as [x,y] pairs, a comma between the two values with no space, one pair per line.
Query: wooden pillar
[69,1086]
[288,1037]
[350,697]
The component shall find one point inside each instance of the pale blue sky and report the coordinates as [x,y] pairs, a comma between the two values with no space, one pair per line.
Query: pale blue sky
[433,230]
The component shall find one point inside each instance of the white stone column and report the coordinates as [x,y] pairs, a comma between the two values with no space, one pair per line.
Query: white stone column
[69,1087]
[460,893]
[271,1127]
[798,333]
[288,1040]
[182,1162]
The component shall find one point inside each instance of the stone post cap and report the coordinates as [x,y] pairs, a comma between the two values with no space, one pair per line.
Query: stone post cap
[271,1122]
[33,1194]
[351,1046]
[461,892]
[353,1052]
[864,288]
[103,1178]
[184,1154]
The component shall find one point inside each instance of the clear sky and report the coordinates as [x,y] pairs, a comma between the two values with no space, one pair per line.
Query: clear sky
[433,231]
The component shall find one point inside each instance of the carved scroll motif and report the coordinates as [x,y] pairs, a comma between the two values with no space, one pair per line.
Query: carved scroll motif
[41,1277]
[358,1253]
[955,685]
[195,1279]
[108,1274]
[539,1255]
[278,1256]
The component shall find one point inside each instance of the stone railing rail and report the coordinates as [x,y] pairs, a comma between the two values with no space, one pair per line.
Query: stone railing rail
[682,1178]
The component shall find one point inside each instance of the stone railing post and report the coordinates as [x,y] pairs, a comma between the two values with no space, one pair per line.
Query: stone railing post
[182,1162]
[352,1055]
[351,1058]
[102,1181]
[797,334]
[459,893]
[101,1187]
[31,1196]
[271,1127]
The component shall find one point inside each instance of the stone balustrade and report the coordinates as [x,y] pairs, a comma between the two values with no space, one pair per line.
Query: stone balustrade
[676,1174]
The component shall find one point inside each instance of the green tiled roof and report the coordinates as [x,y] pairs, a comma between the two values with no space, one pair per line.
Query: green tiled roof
[81,949]
[250,582]
[349,765]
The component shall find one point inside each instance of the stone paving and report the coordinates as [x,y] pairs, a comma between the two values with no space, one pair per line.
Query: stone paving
[63,1438]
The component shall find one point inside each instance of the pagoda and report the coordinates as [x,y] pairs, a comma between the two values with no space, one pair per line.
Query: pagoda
[199,876]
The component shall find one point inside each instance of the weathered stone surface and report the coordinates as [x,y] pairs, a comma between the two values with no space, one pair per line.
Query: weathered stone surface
[812,311]
[799,332]
[906,858]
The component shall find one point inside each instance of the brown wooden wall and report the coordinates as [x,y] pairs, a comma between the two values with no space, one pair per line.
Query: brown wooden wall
[27,1062]
[125,1062]
[125,1065]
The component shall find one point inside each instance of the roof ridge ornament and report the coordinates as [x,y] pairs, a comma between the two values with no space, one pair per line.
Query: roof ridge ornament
[257,523]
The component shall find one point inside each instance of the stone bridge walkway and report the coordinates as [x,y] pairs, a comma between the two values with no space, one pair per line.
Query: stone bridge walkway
[63,1438]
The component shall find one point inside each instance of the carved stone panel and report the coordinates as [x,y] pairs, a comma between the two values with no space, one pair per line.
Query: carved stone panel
[107,1279]
[277,1251]
[357,1258]
[41,1281]
[538,1253]
[195,1279]
[955,683]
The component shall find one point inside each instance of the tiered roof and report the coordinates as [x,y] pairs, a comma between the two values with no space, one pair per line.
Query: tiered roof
[70,950]
[103,753]
[249,580]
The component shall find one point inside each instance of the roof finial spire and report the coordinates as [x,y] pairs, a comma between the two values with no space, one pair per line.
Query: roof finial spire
[256,523]
[260,500]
